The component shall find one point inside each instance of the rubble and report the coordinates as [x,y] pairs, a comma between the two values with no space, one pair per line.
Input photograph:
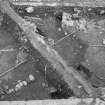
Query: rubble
[68,22]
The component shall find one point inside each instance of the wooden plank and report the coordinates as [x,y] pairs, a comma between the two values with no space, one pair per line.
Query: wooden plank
[72,101]
[82,3]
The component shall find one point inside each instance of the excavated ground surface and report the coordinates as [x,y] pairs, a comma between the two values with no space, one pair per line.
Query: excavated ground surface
[77,49]
[21,73]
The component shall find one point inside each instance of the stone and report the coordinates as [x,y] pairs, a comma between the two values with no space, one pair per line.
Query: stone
[31,77]
[30,9]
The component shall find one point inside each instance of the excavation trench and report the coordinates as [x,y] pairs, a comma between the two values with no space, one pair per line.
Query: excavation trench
[67,74]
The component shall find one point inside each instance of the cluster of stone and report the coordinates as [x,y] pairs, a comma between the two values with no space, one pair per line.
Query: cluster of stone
[18,86]
[67,21]
[22,84]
